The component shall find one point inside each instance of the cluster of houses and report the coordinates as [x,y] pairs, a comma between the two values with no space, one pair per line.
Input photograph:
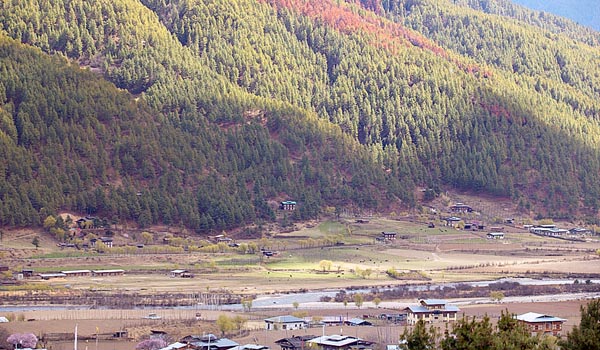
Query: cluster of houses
[324,342]
[427,310]
[551,230]
[430,311]
[548,230]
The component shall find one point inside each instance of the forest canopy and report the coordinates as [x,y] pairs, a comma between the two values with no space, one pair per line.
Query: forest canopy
[207,114]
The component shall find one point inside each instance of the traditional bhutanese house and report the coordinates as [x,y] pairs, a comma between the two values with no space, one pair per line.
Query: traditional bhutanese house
[578,231]
[495,235]
[211,342]
[332,320]
[389,235]
[77,273]
[288,205]
[284,322]
[541,324]
[47,276]
[339,342]
[177,273]
[395,318]
[430,311]
[461,208]
[295,342]
[115,272]
[107,241]
[549,232]
[357,322]
[452,221]
[86,222]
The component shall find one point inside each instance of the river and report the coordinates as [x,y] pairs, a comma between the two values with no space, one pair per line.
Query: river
[313,298]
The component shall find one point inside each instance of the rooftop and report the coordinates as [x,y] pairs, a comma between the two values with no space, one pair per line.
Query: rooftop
[284,319]
[335,340]
[533,317]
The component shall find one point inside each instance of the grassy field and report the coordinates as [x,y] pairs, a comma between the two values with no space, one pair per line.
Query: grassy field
[425,255]
[441,254]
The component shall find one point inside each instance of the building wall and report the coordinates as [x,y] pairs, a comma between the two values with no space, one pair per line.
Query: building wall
[554,328]
[431,317]
[281,326]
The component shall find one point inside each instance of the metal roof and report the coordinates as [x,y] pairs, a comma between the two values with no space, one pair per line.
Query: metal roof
[285,319]
[433,301]
[42,275]
[422,309]
[533,317]
[335,340]
[357,321]
[76,271]
[218,343]
[108,271]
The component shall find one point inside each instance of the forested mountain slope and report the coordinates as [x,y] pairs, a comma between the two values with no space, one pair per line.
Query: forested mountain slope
[72,141]
[432,93]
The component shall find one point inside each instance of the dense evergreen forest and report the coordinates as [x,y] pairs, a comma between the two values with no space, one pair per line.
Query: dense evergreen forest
[207,113]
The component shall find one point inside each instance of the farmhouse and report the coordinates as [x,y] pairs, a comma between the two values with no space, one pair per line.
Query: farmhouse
[461,208]
[389,235]
[357,322]
[495,235]
[295,342]
[115,272]
[288,205]
[107,241]
[180,273]
[208,342]
[284,322]
[395,318]
[474,225]
[338,342]
[87,222]
[47,276]
[430,311]
[77,273]
[549,231]
[332,320]
[541,324]
[220,238]
[578,231]
[452,221]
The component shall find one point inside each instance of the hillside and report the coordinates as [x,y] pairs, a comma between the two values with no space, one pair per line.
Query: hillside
[91,148]
[232,106]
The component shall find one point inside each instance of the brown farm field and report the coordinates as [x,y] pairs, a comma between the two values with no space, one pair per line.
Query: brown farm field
[328,255]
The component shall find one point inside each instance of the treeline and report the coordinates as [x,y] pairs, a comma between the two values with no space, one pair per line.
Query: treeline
[506,334]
